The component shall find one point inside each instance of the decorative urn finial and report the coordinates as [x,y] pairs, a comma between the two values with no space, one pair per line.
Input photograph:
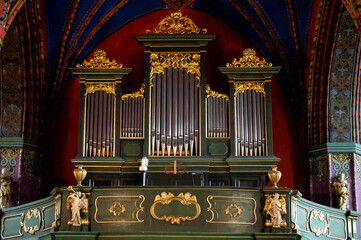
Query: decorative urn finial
[79,174]
[274,176]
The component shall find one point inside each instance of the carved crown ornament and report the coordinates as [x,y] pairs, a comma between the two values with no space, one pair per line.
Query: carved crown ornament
[176,23]
[249,59]
[99,61]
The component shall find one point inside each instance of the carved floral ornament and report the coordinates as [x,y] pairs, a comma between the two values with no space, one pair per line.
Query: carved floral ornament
[241,87]
[249,59]
[214,94]
[94,87]
[99,61]
[191,62]
[136,94]
[176,23]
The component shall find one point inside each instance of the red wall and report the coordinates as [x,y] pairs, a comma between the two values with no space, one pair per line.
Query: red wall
[123,47]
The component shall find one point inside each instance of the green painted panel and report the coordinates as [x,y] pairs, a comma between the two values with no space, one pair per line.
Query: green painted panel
[301,218]
[12,226]
[218,147]
[131,148]
[337,227]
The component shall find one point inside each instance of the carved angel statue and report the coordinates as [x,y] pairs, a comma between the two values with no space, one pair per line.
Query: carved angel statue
[76,202]
[275,207]
[6,188]
[342,192]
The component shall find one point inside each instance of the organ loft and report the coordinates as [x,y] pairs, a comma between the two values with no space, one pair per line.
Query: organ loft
[176,119]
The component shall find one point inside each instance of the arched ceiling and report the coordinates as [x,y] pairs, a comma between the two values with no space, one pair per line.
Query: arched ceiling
[278,28]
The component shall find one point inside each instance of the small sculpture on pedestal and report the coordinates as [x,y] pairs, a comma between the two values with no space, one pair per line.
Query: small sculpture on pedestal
[76,202]
[342,192]
[275,207]
[6,188]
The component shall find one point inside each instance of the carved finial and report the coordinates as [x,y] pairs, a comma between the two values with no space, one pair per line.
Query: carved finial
[79,174]
[274,176]
[176,23]
[99,61]
[249,59]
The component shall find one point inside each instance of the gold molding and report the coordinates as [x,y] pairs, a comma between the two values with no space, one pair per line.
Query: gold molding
[136,94]
[20,223]
[316,230]
[328,216]
[233,210]
[165,199]
[242,87]
[176,23]
[117,209]
[99,61]
[32,212]
[138,209]
[190,61]
[215,213]
[297,227]
[249,59]
[211,93]
[53,224]
[94,87]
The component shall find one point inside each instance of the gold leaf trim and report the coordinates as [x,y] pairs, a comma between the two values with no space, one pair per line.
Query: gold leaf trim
[165,199]
[117,209]
[241,87]
[176,23]
[99,61]
[92,88]
[318,231]
[191,62]
[249,59]
[211,93]
[233,210]
[28,216]
[136,94]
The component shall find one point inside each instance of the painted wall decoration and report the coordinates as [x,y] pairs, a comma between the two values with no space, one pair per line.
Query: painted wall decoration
[341,163]
[319,168]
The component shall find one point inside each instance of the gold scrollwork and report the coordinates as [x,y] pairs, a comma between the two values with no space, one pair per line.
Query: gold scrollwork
[176,23]
[136,94]
[249,59]
[99,61]
[117,209]
[94,87]
[165,199]
[28,216]
[191,62]
[241,87]
[321,217]
[211,93]
[233,210]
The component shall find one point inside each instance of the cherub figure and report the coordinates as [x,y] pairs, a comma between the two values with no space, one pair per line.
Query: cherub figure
[275,207]
[342,192]
[6,188]
[76,202]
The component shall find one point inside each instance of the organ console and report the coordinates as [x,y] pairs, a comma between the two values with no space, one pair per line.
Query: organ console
[175,118]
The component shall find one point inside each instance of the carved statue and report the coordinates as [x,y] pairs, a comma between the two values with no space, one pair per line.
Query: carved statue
[76,202]
[6,189]
[342,192]
[275,207]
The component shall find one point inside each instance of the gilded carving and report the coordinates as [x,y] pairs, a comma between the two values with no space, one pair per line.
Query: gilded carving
[99,61]
[317,230]
[249,59]
[176,23]
[136,94]
[30,214]
[76,202]
[241,87]
[94,87]
[190,61]
[117,209]
[214,94]
[233,210]
[342,192]
[275,206]
[6,188]
[165,199]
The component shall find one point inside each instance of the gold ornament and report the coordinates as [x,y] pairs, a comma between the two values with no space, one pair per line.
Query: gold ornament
[99,61]
[249,59]
[241,87]
[136,94]
[94,87]
[274,176]
[117,209]
[214,94]
[176,23]
[79,174]
[233,210]
[191,62]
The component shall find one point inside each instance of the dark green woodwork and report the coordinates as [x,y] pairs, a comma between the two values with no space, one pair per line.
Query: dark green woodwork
[218,147]
[341,147]
[206,212]
[131,148]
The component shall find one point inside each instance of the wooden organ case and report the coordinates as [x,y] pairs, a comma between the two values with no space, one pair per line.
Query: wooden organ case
[190,134]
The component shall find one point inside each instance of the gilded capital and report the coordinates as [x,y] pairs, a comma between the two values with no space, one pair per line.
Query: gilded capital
[249,59]
[241,87]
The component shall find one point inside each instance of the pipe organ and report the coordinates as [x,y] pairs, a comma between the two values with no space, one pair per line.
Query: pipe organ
[175,119]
